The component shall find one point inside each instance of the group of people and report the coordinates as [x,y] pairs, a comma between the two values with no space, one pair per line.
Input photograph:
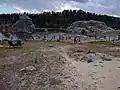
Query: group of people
[67,38]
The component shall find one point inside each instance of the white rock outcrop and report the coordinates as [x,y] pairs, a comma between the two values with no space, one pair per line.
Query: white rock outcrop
[88,26]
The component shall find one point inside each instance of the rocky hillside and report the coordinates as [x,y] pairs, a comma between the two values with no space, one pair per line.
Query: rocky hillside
[88,27]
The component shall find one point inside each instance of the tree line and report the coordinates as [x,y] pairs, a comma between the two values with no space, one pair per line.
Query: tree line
[61,19]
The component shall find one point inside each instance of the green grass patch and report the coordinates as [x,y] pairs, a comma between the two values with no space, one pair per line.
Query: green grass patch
[117,44]
[104,43]
[38,44]
[3,44]
[95,44]
[101,43]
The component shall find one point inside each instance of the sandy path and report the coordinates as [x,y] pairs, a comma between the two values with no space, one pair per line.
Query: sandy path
[75,68]
[75,72]
[93,76]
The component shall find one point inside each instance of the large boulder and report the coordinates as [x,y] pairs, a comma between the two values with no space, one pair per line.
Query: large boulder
[88,27]
[24,27]
[24,24]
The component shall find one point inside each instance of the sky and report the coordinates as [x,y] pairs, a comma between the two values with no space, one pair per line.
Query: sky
[109,7]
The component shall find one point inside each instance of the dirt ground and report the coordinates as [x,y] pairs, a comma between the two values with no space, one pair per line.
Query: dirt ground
[59,66]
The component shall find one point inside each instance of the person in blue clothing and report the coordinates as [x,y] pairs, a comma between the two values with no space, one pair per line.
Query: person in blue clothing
[113,42]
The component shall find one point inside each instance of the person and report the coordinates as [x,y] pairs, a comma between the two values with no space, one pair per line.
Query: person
[62,37]
[113,42]
[75,40]
[54,37]
[104,37]
[66,37]
[44,37]
[59,38]
[32,38]
[69,37]
[38,37]
[79,39]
